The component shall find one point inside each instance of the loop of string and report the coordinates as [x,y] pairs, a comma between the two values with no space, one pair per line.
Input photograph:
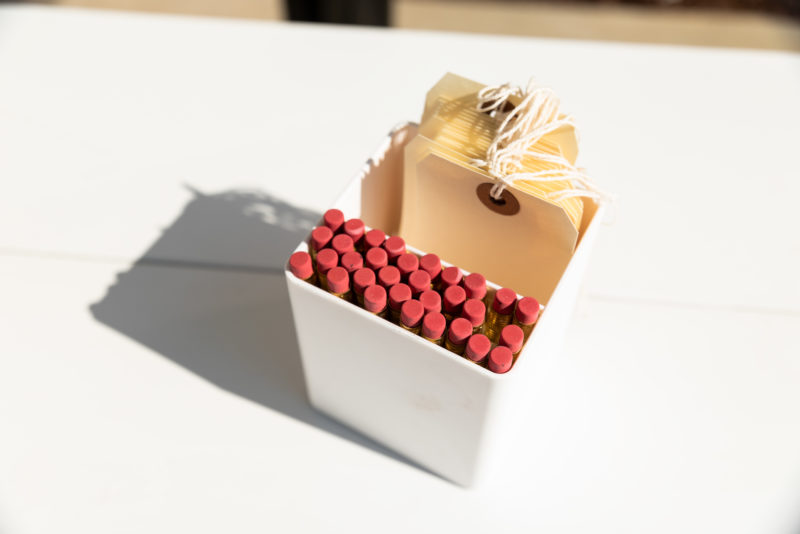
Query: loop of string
[494,97]
[537,115]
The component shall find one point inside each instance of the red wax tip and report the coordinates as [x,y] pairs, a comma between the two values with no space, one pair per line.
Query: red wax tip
[512,337]
[431,264]
[342,243]
[411,313]
[478,347]
[475,285]
[527,310]
[460,330]
[500,360]
[327,258]
[362,279]
[454,297]
[431,301]
[374,238]
[301,265]
[338,280]
[352,261]
[320,237]
[394,246]
[474,311]
[389,276]
[451,276]
[398,294]
[407,263]
[377,258]
[419,281]
[334,219]
[355,229]
[374,299]
[504,301]
[433,325]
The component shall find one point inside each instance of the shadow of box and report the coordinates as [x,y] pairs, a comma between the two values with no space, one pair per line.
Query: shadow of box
[210,296]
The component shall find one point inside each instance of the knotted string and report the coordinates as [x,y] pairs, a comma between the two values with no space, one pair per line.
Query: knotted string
[537,115]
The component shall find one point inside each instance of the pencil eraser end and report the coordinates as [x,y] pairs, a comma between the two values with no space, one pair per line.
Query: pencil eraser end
[374,238]
[454,297]
[320,237]
[504,301]
[419,281]
[327,258]
[474,311]
[398,294]
[478,347]
[411,313]
[389,276]
[433,325]
[338,280]
[512,337]
[500,360]
[333,219]
[460,330]
[451,276]
[362,279]
[301,265]
[527,311]
[374,298]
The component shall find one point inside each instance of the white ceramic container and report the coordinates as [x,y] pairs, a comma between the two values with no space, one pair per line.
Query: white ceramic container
[436,408]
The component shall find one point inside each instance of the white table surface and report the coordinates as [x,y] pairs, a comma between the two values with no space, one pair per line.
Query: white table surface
[156,171]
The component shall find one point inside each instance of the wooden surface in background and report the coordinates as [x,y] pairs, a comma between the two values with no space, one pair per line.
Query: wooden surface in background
[571,20]
[603,22]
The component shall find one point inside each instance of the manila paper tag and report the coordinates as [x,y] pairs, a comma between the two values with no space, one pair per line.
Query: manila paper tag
[523,241]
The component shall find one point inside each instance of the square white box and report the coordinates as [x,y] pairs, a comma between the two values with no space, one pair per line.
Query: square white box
[430,405]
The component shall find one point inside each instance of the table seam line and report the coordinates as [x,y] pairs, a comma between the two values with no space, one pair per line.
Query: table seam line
[227,267]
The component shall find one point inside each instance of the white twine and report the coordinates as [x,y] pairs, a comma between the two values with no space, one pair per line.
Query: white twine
[537,115]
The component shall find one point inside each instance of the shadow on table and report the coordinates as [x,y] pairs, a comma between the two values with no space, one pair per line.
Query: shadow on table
[224,314]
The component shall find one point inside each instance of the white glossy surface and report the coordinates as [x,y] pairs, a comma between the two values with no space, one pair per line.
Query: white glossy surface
[176,402]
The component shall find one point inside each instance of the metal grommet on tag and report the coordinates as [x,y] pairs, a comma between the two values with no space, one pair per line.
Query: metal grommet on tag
[507,204]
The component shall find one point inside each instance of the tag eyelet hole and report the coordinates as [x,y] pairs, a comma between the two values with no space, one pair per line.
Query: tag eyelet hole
[507,204]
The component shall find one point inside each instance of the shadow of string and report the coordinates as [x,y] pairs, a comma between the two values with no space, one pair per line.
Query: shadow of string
[210,295]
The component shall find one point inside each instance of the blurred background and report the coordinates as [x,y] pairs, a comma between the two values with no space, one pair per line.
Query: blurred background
[762,24]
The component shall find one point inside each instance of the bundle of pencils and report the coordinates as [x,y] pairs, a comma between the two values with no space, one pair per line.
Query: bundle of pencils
[443,304]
